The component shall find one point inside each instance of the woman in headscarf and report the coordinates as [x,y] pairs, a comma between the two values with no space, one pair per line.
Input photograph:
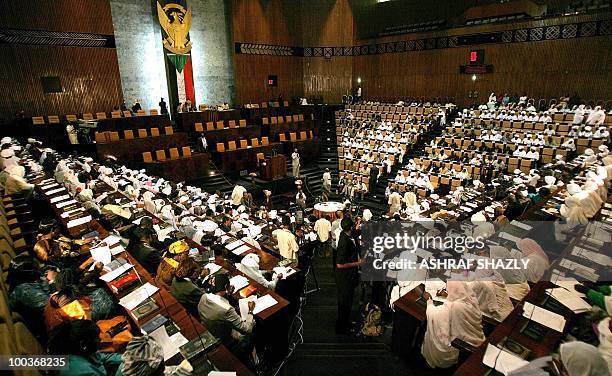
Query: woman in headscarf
[538,260]
[250,266]
[581,359]
[515,279]
[490,291]
[465,315]
[578,115]
[436,348]
[596,117]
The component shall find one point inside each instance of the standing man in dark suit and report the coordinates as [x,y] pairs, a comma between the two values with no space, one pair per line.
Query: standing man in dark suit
[347,274]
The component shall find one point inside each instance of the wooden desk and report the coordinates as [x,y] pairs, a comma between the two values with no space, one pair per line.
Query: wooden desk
[134,122]
[187,120]
[181,169]
[230,134]
[234,161]
[276,167]
[309,148]
[130,151]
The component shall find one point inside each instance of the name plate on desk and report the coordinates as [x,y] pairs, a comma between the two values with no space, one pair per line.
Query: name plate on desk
[62,204]
[59,198]
[79,221]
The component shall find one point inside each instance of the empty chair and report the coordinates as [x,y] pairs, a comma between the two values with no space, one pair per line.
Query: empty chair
[100,115]
[220,147]
[220,125]
[293,136]
[71,118]
[147,157]
[265,141]
[141,113]
[282,137]
[88,116]
[295,118]
[260,157]
[242,123]
[168,130]
[160,155]
[301,117]
[302,135]
[154,112]
[116,114]
[243,144]
[142,133]
[232,123]
[280,119]
[54,119]
[210,126]
[128,134]
[264,104]
[174,153]
[101,137]
[127,114]
[186,151]
[273,120]
[231,145]
[310,134]
[113,136]
[155,132]
[38,120]
[199,127]
[254,142]
[264,121]
[288,119]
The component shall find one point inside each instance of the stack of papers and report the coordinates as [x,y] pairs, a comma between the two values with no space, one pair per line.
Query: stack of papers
[234,245]
[569,299]
[101,254]
[544,317]
[240,250]
[78,221]
[59,198]
[286,271]
[212,267]
[501,360]
[261,304]
[116,273]
[133,299]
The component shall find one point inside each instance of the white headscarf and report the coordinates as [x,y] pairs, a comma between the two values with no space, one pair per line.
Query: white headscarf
[465,315]
[436,348]
[582,359]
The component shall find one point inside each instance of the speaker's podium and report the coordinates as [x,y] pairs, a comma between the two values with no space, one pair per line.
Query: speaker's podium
[275,167]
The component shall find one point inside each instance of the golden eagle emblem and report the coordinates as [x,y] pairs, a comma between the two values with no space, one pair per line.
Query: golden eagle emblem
[176,22]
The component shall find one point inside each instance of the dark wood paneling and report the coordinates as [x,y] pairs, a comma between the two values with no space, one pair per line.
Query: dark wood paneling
[90,78]
[266,21]
[86,16]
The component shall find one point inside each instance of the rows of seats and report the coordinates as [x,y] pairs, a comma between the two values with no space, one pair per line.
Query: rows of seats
[266,104]
[242,144]
[54,119]
[17,234]
[517,125]
[293,136]
[219,125]
[512,163]
[128,134]
[160,155]
[405,127]
[357,166]
[284,119]
[392,108]
[356,176]
[394,117]
[557,117]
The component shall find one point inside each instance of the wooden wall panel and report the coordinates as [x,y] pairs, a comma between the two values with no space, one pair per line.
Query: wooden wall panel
[90,78]
[86,16]
[266,21]
[541,69]
[328,78]
[252,77]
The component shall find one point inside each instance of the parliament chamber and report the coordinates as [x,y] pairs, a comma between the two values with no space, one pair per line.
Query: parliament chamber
[296,188]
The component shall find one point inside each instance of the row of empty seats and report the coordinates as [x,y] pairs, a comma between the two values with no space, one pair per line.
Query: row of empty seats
[267,104]
[54,119]
[304,135]
[284,119]
[128,134]
[219,125]
[231,145]
[160,155]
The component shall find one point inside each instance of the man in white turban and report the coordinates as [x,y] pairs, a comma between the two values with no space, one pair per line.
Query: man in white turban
[596,117]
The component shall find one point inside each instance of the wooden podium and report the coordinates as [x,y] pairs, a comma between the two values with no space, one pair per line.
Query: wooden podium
[275,167]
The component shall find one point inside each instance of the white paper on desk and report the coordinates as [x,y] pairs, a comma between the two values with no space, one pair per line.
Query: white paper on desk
[224,238]
[471,204]
[286,271]
[78,221]
[502,361]
[170,345]
[243,305]
[133,299]
[65,203]
[70,212]
[465,208]
[101,254]
[234,244]
[137,221]
[595,257]
[221,373]
[568,283]
[239,282]
[505,235]
[117,250]
[521,225]
[54,191]
[240,250]
[212,267]
[59,198]
[111,240]
[116,273]
[569,299]
[543,316]
[49,186]
[264,303]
